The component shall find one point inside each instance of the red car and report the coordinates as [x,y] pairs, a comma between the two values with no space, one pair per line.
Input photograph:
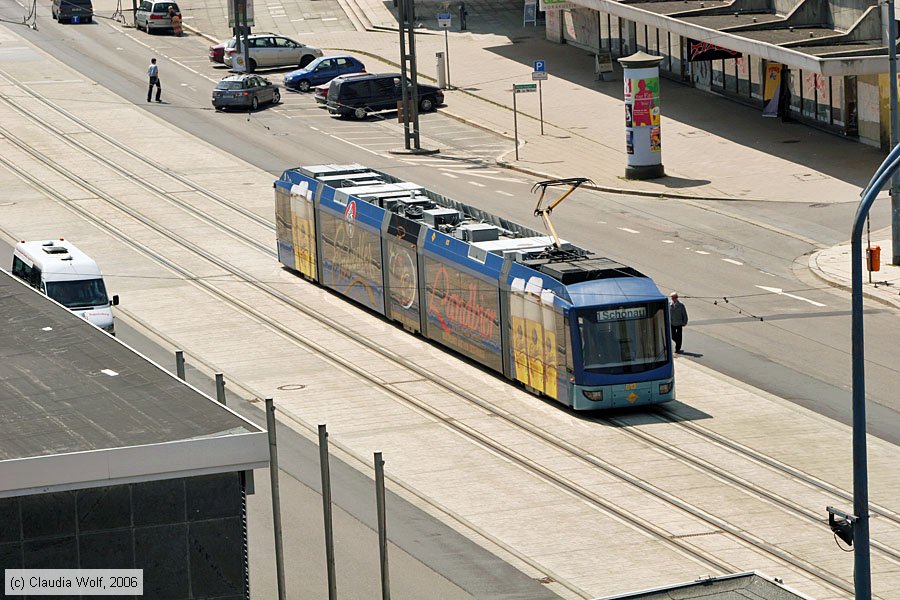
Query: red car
[321,91]
[217,53]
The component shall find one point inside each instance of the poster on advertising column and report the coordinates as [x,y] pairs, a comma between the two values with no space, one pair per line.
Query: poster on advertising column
[645,102]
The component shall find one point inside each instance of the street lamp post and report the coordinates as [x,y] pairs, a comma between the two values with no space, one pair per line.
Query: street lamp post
[861,562]
[895,132]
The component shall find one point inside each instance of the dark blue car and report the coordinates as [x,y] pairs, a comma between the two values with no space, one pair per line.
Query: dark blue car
[322,70]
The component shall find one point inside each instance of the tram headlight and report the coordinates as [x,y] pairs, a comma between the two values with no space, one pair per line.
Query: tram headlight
[594,396]
[665,388]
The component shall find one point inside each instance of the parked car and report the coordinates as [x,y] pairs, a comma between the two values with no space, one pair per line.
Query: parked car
[270,50]
[153,15]
[359,96]
[217,53]
[244,91]
[321,90]
[321,70]
[72,11]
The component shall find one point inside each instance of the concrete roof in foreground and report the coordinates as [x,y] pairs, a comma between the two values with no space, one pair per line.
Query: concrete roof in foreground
[78,408]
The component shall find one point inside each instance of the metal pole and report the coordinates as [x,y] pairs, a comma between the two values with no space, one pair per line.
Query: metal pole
[246,33]
[382,527]
[447,55]
[238,42]
[276,496]
[869,247]
[404,91]
[179,364]
[541,105]
[326,510]
[861,558]
[515,124]
[220,388]
[895,131]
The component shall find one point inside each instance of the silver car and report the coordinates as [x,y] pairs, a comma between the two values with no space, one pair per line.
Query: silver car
[153,15]
[270,50]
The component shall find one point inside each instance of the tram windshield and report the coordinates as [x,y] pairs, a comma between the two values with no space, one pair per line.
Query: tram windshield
[624,339]
[79,293]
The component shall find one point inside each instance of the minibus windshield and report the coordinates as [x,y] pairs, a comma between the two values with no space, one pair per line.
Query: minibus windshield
[82,293]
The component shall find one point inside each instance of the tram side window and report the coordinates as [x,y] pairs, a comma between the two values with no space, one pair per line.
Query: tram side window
[27,273]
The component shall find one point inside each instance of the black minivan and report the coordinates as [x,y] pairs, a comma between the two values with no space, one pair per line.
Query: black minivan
[359,96]
[72,11]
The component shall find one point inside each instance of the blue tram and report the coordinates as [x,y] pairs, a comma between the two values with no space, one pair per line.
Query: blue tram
[588,332]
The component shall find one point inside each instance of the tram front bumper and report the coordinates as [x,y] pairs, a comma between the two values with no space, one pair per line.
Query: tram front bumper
[622,395]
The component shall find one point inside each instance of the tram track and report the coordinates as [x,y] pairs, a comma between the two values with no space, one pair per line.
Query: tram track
[571,486]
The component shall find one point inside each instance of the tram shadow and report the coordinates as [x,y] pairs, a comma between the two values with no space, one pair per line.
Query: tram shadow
[640,416]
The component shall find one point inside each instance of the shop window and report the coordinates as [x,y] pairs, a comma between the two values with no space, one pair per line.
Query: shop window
[675,53]
[756,76]
[653,41]
[837,101]
[792,81]
[729,69]
[823,101]
[811,83]
[718,74]
[603,22]
[744,68]
[642,38]
[615,35]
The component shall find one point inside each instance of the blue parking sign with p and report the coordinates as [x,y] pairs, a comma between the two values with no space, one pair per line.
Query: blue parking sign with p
[539,66]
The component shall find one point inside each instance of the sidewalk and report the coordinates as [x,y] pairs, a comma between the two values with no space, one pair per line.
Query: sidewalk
[712,149]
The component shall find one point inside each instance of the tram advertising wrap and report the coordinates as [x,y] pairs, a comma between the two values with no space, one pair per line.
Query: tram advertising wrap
[403,271]
[351,247]
[588,332]
[463,301]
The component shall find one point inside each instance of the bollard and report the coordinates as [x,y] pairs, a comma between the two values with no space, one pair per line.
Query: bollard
[179,364]
[441,67]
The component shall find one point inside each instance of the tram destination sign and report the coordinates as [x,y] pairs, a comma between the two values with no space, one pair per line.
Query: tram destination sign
[622,314]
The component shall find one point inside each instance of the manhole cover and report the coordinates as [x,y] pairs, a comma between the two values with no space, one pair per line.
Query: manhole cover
[290,387]
[809,176]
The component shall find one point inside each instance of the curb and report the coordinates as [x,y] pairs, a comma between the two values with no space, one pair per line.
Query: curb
[196,31]
[844,285]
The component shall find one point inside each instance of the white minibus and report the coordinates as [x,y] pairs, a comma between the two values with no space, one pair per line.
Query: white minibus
[66,274]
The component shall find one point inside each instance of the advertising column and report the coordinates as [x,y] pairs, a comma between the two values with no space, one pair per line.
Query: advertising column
[643,138]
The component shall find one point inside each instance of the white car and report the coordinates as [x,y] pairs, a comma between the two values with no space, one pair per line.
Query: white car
[271,50]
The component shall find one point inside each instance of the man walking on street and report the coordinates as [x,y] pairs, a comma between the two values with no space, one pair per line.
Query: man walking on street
[153,74]
[678,318]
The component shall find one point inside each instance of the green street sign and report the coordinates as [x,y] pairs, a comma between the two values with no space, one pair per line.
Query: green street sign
[524,88]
